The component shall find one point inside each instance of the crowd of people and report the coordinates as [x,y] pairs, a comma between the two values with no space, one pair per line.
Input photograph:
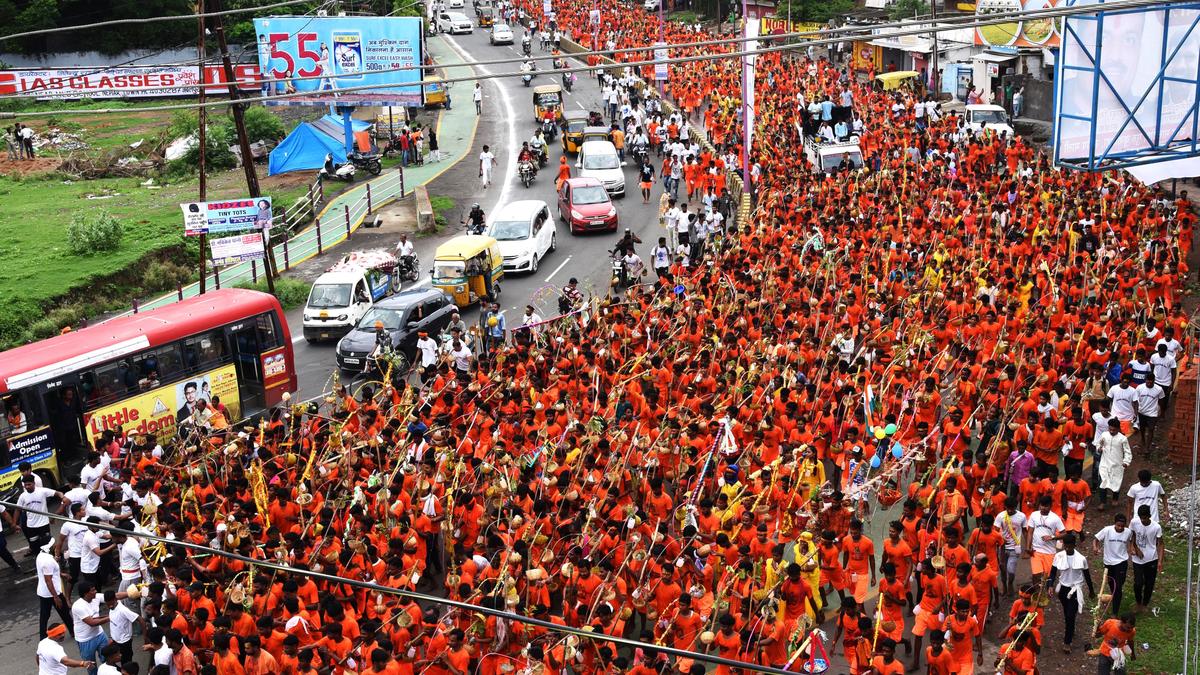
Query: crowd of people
[953,345]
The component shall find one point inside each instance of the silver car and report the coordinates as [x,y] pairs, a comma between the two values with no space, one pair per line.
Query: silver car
[501,34]
[454,23]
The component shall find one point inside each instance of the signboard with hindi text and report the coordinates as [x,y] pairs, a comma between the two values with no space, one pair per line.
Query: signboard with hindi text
[160,410]
[235,215]
[238,248]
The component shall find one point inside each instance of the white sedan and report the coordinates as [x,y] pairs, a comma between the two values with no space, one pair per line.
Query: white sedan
[454,23]
[524,232]
[501,34]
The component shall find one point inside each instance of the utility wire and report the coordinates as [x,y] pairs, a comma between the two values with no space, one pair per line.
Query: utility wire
[847,32]
[150,19]
[421,597]
[978,21]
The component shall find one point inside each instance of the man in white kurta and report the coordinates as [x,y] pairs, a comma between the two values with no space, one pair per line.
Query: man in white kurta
[1115,454]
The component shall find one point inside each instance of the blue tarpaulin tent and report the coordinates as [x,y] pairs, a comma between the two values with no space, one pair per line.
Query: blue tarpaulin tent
[305,148]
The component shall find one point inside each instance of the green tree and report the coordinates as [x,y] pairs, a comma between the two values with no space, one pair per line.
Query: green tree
[818,11]
[263,125]
[907,9]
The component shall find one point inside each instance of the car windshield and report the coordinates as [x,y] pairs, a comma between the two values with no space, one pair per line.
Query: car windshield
[448,270]
[509,230]
[389,317]
[500,28]
[589,194]
[326,296]
[988,117]
[601,162]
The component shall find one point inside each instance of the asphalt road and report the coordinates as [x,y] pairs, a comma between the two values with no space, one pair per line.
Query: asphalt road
[506,122]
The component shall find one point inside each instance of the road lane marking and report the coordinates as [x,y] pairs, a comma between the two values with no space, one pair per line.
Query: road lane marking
[558,269]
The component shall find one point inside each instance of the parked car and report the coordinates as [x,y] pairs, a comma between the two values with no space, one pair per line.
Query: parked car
[501,34]
[525,233]
[584,204]
[403,316]
[454,23]
[599,160]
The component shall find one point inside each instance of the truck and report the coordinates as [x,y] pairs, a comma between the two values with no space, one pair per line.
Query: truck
[825,157]
[992,117]
[344,293]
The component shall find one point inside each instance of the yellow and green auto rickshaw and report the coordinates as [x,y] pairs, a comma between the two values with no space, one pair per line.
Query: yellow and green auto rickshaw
[895,80]
[468,268]
[573,124]
[547,97]
[486,14]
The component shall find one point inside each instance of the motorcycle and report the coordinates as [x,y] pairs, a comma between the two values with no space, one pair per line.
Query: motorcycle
[619,278]
[527,78]
[368,163]
[526,172]
[568,80]
[409,267]
[640,156]
[527,47]
[549,129]
[539,151]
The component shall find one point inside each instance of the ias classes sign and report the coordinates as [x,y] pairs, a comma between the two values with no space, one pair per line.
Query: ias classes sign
[316,60]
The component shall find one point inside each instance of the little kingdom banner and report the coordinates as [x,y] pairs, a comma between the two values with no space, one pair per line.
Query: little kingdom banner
[159,411]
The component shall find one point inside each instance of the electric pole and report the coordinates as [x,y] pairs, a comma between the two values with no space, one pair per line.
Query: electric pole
[239,123]
[201,138]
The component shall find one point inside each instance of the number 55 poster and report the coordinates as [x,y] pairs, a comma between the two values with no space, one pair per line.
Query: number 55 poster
[333,54]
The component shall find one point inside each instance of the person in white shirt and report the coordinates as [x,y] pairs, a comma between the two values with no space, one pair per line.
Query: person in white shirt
[52,658]
[132,564]
[461,354]
[1150,401]
[49,587]
[1011,524]
[37,526]
[487,163]
[427,349]
[121,620]
[1124,400]
[95,471]
[111,654]
[89,622]
[1069,572]
[96,545]
[77,494]
[1174,347]
[531,319]
[70,545]
[1116,540]
[1147,492]
[1042,527]
[1115,454]
[1147,556]
[660,257]
[1164,366]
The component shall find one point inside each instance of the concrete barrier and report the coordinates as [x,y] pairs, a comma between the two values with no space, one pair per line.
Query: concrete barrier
[425,216]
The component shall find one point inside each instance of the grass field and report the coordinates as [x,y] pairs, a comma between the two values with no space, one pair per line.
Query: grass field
[1164,633]
[36,266]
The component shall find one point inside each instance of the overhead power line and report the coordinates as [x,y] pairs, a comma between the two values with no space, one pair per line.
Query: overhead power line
[421,597]
[842,33]
[150,19]
[975,22]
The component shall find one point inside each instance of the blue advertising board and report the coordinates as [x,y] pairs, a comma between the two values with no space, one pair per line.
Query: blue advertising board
[340,52]
[234,215]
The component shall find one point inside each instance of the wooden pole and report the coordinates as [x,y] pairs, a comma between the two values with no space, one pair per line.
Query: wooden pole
[203,119]
[239,123]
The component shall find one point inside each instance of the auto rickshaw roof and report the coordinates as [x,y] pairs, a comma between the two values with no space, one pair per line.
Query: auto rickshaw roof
[894,79]
[464,246]
[548,89]
[575,115]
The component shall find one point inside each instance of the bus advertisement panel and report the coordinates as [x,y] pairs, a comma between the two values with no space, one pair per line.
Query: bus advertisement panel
[35,447]
[159,411]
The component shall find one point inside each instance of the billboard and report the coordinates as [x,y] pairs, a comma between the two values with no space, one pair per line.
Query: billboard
[124,82]
[1030,34]
[778,25]
[228,216]
[235,249]
[160,410]
[337,53]
[1127,83]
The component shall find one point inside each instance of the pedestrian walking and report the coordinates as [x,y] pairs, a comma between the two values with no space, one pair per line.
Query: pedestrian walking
[13,142]
[1070,572]
[1147,556]
[50,587]
[1116,541]
[27,141]
[487,162]
[477,96]
[435,153]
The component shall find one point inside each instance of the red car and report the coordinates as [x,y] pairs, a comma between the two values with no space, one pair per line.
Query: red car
[584,204]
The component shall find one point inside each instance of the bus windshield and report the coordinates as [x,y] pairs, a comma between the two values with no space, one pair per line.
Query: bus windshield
[327,296]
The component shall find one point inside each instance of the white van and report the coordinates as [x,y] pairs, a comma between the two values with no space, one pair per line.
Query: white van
[826,157]
[599,160]
[341,296]
[992,117]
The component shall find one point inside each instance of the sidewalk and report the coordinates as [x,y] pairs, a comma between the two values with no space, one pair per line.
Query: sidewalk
[346,212]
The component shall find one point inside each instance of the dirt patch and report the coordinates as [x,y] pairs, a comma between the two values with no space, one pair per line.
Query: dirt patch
[29,167]
[285,181]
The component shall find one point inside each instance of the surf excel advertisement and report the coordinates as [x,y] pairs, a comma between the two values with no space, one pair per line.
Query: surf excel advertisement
[333,55]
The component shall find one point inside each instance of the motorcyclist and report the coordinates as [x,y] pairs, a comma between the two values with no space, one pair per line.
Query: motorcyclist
[526,44]
[406,252]
[527,158]
[626,243]
[474,219]
[330,166]
[527,69]
[537,144]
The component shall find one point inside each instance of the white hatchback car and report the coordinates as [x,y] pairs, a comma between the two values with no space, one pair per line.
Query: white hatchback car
[454,23]
[501,34]
[524,232]
[599,160]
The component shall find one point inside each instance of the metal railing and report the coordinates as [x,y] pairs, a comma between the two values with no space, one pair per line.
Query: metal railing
[340,218]
[304,209]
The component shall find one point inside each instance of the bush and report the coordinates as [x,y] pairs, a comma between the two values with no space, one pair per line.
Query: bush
[162,275]
[291,292]
[263,125]
[94,231]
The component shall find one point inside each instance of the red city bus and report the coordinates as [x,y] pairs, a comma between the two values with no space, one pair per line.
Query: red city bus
[143,373]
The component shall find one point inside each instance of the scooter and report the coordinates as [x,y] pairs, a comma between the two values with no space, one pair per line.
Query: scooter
[527,78]
[640,156]
[526,172]
[342,172]
[549,129]
[527,46]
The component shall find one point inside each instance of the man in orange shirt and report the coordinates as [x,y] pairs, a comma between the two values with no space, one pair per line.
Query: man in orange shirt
[887,663]
[964,631]
[858,557]
[258,660]
[938,659]
[933,600]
